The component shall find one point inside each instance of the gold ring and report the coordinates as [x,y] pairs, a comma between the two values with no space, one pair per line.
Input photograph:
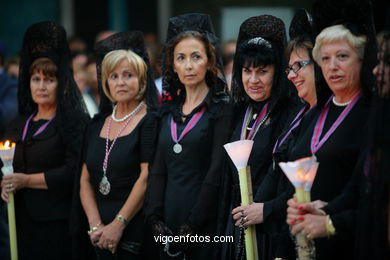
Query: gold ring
[246,219]
[110,246]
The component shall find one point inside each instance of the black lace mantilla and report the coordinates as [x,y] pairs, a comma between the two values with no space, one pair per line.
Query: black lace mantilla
[130,40]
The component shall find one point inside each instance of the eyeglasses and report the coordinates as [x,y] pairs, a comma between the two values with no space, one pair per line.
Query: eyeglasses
[298,65]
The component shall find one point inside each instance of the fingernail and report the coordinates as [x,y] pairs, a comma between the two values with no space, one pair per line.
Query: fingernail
[300,207]
[301,218]
[292,222]
[302,213]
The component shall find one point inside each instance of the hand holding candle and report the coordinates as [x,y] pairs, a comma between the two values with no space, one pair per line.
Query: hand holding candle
[7,151]
[301,174]
[239,152]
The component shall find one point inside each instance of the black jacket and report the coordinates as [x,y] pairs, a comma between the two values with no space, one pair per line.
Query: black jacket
[48,153]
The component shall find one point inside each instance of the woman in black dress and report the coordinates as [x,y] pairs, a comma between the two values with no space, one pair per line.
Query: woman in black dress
[118,148]
[363,207]
[334,132]
[264,105]
[186,172]
[47,133]
[304,74]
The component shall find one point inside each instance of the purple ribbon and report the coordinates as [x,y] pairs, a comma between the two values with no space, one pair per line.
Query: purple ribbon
[316,143]
[191,124]
[295,123]
[40,129]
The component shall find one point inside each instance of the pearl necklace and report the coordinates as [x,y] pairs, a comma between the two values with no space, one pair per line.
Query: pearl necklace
[126,116]
[340,104]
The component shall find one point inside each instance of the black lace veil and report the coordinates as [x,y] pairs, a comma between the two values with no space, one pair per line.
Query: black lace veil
[373,211]
[262,34]
[48,39]
[302,28]
[130,40]
[191,22]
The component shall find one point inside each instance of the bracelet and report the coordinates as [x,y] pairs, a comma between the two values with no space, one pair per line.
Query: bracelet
[121,218]
[93,229]
[330,229]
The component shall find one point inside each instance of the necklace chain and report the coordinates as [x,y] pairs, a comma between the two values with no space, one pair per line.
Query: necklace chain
[108,149]
[340,104]
[126,116]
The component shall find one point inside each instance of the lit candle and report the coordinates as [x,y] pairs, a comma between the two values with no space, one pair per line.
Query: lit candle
[7,150]
[301,174]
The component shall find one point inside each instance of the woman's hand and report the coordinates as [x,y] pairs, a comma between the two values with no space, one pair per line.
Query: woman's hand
[15,181]
[295,210]
[4,194]
[160,228]
[313,226]
[318,204]
[95,235]
[110,235]
[248,215]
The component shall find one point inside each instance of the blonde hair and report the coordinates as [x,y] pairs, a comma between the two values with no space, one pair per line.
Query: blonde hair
[113,58]
[339,33]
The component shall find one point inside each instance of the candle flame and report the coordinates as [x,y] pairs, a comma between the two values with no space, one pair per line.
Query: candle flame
[7,145]
[302,176]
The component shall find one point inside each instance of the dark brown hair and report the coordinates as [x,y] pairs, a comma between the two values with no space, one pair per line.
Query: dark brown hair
[44,65]
[299,43]
[170,75]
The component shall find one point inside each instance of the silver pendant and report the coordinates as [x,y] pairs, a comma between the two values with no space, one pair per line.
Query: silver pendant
[104,186]
[177,148]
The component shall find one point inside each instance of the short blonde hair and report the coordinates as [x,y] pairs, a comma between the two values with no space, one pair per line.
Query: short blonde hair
[113,58]
[339,33]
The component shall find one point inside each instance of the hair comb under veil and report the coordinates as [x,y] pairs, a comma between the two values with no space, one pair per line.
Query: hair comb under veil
[188,23]
[302,25]
[130,40]
[263,33]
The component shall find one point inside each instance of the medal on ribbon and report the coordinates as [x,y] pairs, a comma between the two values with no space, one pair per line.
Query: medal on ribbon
[177,147]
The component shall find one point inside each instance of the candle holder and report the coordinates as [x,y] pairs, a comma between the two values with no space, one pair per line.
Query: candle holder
[7,150]
[301,174]
[239,152]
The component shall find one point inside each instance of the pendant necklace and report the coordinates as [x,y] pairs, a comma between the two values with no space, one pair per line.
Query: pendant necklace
[104,185]
[259,120]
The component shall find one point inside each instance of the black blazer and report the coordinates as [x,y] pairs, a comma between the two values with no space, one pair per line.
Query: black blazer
[48,153]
